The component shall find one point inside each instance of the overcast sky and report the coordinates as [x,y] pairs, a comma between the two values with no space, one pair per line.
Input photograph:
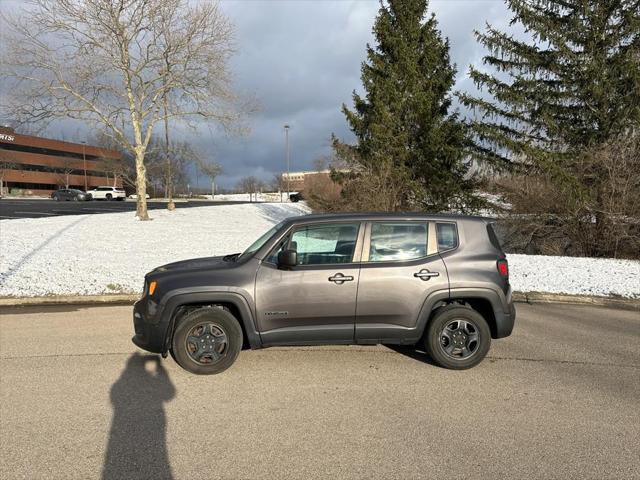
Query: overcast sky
[301,60]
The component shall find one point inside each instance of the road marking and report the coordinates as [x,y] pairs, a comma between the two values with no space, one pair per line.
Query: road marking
[37,213]
[4,216]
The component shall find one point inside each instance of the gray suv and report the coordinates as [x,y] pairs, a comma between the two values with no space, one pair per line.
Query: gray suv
[438,282]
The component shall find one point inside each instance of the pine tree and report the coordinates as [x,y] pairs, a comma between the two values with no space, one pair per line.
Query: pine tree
[560,104]
[409,152]
[574,85]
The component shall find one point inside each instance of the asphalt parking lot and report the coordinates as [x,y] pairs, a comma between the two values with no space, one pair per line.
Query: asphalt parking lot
[11,209]
[558,399]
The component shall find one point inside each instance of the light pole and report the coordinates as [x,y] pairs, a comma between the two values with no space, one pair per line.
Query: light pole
[84,163]
[286,135]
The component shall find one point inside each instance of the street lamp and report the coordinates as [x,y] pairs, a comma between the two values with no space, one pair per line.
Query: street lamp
[286,134]
[84,163]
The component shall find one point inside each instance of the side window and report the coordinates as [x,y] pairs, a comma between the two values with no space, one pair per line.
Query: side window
[398,241]
[325,244]
[447,236]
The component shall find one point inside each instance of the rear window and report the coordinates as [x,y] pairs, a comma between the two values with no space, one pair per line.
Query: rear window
[447,234]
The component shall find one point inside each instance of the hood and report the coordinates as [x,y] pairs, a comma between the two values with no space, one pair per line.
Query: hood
[196,264]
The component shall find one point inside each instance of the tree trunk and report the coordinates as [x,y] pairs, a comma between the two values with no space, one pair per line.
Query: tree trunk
[141,186]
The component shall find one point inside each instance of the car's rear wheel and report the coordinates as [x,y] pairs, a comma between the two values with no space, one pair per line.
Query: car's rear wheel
[207,341]
[109,197]
[458,337]
[56,198]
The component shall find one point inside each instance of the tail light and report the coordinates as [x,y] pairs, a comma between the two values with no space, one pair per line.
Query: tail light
[503,268]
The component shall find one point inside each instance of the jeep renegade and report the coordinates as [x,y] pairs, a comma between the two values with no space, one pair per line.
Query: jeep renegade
[434,281]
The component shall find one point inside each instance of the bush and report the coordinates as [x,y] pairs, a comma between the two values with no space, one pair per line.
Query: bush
[599,218]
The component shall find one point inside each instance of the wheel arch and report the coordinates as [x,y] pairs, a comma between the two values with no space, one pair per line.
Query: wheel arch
[181,304]
[483,300]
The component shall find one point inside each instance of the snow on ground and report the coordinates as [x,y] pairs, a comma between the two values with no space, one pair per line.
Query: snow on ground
[244,197]
[110,253]
[575,275]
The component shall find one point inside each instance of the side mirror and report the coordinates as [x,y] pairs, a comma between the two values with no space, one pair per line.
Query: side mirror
[287,258]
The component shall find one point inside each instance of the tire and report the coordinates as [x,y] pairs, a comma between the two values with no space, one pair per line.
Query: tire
[75,199]
[207,324]
[109,197]
[450,335]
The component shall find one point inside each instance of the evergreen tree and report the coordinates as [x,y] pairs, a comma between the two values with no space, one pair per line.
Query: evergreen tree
[560,104]
[575,85]
[410,149]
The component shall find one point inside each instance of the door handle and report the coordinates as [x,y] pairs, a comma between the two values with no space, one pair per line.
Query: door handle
[425,274]
[340,278]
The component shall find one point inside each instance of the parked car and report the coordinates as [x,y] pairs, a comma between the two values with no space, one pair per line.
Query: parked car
[107,193]
[296,197]
[438,282]
[134,196]
[67,194]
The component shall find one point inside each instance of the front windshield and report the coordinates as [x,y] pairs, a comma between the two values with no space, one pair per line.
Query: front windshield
[257,245]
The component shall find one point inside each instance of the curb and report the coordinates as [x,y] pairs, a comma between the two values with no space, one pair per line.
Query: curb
[69,300]
[560,298]
[128,299]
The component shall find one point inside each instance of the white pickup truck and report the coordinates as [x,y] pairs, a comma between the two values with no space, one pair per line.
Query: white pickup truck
[107,193]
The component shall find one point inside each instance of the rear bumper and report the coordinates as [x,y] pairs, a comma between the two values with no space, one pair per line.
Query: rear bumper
[506,319]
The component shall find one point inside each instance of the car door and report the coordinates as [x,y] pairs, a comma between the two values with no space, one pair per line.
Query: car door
[315,301]
[400,268]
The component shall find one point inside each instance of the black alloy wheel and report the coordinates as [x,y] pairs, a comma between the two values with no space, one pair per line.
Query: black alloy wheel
[207,341]
[457,337]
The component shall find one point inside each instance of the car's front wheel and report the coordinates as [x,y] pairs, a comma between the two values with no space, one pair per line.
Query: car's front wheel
[109,197]
[207,341]
[458,337]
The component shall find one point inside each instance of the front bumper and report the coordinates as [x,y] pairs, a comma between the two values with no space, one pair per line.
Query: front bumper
[149,335]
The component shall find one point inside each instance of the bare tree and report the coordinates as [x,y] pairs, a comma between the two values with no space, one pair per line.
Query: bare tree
[278,184]
[124,167]
[65,169]
[211,169]
[125,65]
[250,185]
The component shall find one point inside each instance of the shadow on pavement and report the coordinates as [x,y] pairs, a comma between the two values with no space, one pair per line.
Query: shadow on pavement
[137,446]
[411,352]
